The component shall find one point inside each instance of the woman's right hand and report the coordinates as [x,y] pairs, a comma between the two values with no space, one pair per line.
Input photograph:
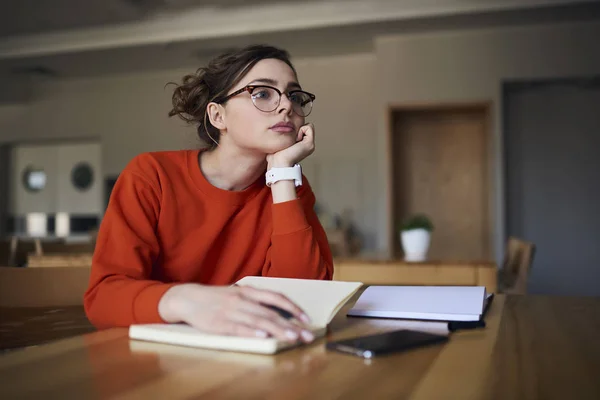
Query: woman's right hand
[234,310]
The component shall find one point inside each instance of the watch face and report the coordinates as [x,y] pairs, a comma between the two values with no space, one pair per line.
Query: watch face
[82,176]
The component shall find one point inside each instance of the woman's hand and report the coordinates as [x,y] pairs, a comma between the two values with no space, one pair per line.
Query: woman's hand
[237,310]
[304,146]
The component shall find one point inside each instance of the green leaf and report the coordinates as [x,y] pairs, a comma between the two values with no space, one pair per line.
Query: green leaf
[417,221]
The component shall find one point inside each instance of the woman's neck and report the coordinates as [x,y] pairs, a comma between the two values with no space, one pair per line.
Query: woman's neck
[231,169]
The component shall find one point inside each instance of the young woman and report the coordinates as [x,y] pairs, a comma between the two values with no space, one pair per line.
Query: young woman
[183,226]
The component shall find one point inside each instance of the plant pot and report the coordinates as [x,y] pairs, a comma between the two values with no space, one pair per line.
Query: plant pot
[415,243]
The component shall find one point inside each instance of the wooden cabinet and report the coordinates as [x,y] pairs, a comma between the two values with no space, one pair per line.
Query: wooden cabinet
[397,272]
[43,287]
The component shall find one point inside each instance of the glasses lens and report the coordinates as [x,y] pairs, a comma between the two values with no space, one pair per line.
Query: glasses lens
[302,103]
[265,99]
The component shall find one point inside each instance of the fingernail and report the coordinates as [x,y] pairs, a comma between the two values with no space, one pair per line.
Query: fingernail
[261,334]
[304,318]
[291,334]
[308,336]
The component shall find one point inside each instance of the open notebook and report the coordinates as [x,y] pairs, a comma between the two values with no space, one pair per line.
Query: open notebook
[321,300]
[438,303]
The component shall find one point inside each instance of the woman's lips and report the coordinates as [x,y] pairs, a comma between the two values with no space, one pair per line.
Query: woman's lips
[283,127]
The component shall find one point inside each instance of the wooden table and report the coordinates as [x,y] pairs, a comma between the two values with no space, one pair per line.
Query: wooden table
[533,347]
[29,326]
[398,272]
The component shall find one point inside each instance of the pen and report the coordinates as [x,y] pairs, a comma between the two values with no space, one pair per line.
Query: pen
[283,313]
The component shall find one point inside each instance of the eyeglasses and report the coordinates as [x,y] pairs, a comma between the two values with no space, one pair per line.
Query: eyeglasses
[267,98]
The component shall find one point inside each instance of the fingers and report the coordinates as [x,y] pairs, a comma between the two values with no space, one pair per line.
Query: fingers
[308,138]
[243,311]
[237,329]
[257,329]
[275,299]
[306,131]
[243,317]
[266,319]
[274,326]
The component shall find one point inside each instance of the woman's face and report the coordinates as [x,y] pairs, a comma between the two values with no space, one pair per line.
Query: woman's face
[265,132]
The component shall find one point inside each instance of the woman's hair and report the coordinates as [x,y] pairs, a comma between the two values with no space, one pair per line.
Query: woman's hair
[214,81]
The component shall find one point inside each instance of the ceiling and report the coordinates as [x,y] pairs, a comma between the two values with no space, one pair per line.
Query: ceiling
[53,39]
[21,17]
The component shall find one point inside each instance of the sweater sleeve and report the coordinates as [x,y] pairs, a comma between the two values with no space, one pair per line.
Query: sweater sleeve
[299,245]
[121,291]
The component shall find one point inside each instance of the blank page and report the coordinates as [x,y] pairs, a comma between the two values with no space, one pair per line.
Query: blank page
[417,300]
[320,299]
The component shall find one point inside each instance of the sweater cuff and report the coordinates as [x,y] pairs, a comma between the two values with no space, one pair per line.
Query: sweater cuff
[145,307]
[289,217]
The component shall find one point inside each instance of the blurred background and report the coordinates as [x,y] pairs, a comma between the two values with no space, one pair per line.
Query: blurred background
[482,115]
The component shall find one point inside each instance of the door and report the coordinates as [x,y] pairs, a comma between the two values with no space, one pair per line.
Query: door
[552,140]
[440,168]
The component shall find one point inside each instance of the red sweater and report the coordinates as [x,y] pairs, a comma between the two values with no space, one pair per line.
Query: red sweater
[166,224]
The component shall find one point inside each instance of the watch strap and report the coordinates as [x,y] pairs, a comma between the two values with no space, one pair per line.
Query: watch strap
[284,174]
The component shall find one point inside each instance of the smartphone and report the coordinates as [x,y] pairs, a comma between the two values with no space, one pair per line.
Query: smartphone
[385,343]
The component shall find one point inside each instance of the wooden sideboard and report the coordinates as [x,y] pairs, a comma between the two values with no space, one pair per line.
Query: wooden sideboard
[43,287]
[398,272]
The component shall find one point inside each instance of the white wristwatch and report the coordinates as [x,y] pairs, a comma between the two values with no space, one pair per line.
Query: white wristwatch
[285,174]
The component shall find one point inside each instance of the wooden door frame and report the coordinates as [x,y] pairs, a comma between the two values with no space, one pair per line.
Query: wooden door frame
[392,108]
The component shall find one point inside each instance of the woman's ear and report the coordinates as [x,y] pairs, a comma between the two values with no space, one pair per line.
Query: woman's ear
[216,115]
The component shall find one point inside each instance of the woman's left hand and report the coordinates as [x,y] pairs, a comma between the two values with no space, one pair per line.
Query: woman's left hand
[304,147]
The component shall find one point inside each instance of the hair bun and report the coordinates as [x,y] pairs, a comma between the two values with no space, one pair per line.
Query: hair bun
[192,96]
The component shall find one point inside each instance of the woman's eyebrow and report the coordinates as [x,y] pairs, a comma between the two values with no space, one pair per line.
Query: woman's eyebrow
[273,82]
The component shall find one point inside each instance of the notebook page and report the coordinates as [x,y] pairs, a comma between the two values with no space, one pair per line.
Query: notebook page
[423,299]
[319,299]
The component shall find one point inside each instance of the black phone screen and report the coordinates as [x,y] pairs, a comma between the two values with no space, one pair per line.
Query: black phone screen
[385,343]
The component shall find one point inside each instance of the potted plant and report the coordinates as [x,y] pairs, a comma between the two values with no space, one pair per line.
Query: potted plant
[415,236]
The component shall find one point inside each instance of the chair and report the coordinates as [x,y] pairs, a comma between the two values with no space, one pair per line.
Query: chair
[20,248]
[518,260]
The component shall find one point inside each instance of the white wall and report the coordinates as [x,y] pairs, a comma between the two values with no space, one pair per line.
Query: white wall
[14,88]
[127,114]
[471,66]
[342,168]
[12,117]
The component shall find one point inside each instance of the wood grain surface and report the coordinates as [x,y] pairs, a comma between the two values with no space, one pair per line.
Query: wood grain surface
[533,347]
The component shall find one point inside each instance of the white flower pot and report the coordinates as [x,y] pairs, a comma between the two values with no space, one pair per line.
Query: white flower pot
[415,243]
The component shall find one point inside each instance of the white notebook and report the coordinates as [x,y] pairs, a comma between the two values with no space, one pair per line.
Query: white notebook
[321,300]
[439,303]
